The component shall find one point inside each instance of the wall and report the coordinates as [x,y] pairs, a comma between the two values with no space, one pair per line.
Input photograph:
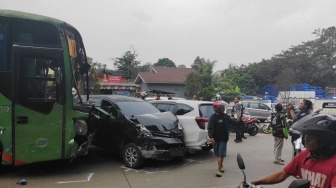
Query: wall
[178,89]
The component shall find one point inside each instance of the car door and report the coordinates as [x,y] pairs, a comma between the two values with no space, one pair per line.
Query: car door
[255,111]
[186,115]
[264,111]
[109,131]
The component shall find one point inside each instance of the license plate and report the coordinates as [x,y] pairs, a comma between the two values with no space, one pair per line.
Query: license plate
[176,152]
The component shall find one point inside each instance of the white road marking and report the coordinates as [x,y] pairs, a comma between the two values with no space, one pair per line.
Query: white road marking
[189,161]
[147,171]
[79,181]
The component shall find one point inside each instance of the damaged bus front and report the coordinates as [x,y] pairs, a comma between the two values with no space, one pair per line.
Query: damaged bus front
[43,70]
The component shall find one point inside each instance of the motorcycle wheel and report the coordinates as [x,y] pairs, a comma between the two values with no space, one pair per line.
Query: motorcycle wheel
[253,130]
[266,129]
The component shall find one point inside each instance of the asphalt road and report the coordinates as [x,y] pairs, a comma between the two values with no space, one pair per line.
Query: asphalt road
[104,169]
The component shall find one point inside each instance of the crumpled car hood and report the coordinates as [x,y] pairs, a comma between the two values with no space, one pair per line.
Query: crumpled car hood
[158,122]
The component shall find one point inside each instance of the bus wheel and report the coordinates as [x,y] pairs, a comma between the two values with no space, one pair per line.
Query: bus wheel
[132,156]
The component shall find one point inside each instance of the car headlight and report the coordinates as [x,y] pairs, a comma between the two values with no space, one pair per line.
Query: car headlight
[81,127]
[179,126]
[144,131]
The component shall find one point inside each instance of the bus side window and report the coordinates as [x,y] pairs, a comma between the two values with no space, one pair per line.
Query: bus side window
[4,50]
[38,88]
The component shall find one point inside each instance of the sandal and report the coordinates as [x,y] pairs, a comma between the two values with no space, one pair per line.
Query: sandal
[222,170]
[218,174]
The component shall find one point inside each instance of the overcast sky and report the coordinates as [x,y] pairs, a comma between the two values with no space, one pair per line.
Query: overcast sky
[226,31]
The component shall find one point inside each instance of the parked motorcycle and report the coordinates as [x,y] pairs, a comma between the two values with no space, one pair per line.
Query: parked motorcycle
[298,183]
[251,127]
[296,139]
[267,129]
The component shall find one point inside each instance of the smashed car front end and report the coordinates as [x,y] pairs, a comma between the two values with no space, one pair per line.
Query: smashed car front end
[160,136]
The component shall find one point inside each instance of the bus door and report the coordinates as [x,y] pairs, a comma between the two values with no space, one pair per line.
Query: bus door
[38,104]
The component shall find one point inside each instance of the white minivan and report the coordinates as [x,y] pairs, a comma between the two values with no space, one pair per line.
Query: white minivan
[193,116]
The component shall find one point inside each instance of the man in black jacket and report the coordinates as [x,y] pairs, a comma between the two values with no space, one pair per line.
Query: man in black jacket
[218,131]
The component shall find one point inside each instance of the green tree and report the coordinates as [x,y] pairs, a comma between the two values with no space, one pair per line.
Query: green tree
[93,76]
[198,63]
[144,68]
[200,82]
[127,63]
[165,62]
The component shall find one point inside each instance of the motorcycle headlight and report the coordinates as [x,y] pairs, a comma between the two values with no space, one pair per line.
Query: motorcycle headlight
[81,127]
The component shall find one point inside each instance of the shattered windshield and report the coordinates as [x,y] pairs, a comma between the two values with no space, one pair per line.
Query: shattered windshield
[78,64]
[137,108]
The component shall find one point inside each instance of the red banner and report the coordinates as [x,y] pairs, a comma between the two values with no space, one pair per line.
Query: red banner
[114,79]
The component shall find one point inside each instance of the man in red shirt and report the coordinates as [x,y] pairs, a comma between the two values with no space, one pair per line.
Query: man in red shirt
[318,162]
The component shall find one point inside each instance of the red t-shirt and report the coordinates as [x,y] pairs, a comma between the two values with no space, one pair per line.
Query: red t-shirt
[320,172]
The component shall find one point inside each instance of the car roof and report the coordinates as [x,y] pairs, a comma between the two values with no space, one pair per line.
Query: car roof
[164,98]
[182,101]
[115,98]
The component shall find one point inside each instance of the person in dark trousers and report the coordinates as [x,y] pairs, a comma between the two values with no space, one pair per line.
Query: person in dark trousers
[218,131]
[317,162]
[238,112]
[278,122]
[305,108]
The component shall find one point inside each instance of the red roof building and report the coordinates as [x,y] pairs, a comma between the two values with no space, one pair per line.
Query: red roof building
[169,79]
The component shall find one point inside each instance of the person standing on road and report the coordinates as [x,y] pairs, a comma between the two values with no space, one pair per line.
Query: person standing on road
[238,112]
[317,162]
[278,123]
[218,131]
[304,109]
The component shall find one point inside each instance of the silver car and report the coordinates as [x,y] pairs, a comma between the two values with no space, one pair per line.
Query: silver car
[256,109]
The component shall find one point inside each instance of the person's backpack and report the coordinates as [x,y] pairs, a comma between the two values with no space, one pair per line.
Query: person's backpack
[278,126]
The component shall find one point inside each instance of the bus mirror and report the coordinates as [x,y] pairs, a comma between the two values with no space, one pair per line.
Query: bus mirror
[84,68]
[58,74]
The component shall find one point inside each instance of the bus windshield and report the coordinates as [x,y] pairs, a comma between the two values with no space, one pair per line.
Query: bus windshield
[79,65]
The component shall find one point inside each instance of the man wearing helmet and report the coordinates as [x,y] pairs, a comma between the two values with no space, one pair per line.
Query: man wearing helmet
[317,162]
[218,131]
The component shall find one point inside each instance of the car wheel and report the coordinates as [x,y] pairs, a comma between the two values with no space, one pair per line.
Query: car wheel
[207,148]
[132,156]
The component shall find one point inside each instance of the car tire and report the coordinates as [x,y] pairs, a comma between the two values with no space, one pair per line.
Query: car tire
[132,156]
[207,148]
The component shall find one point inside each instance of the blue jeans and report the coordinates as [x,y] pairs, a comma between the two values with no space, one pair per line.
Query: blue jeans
[220,149]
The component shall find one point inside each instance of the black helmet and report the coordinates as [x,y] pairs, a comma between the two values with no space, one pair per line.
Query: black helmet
[322,127]
[316,122]
[278,107]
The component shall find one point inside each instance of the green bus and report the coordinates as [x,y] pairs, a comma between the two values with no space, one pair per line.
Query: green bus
[43,73]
